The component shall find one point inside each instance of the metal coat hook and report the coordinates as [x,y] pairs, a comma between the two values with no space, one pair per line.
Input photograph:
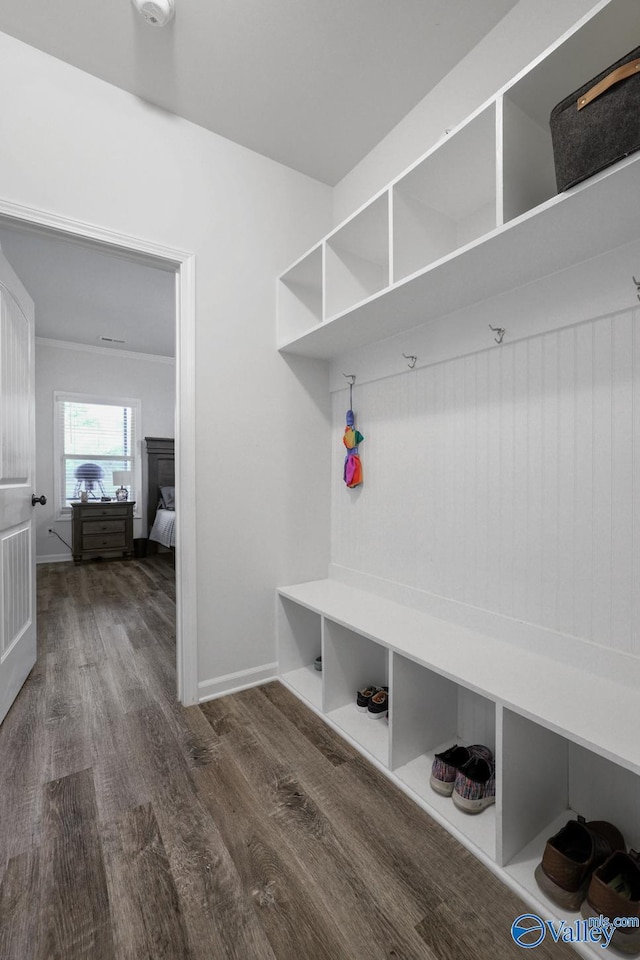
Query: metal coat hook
[351,377]
[499,333]
[412,360]
[637,283]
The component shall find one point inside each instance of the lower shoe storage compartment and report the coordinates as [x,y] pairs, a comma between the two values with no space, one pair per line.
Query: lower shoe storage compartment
[546,775]
[431,713]
[548,780]
[350,663]
[299,644]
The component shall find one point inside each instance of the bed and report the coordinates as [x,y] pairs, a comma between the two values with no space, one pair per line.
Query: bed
[161,515]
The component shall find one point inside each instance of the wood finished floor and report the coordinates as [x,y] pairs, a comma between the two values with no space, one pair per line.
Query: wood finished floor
[133,828]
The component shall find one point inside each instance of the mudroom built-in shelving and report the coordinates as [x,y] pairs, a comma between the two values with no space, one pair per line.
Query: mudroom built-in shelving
[478,215]
[475,226]
[555,729]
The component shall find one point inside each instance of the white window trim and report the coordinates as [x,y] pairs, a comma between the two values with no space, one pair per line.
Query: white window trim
[62,513]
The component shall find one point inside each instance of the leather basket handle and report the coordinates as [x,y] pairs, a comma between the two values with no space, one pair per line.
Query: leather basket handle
[626,70]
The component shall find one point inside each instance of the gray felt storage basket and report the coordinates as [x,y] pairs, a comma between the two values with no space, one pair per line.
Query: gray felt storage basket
[597,124]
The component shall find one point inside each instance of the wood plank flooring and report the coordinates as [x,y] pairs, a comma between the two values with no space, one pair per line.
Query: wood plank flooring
[133,828]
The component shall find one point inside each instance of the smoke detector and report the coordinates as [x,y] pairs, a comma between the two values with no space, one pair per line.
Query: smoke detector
[156,12]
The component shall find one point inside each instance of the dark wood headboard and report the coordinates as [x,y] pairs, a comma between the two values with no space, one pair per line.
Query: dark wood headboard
[160,472]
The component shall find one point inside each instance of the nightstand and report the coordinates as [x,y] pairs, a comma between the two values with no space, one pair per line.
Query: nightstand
[102,530]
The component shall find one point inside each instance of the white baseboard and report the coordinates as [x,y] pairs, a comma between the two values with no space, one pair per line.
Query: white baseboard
[234,682]
[55,558]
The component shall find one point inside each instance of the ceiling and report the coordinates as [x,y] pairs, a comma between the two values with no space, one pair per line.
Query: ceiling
[84,292]
[314,84]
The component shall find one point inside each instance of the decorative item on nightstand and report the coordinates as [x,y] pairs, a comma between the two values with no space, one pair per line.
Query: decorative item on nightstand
[123,477]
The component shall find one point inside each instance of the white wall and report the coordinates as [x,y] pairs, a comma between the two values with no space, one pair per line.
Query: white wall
[82,149]
[521,36]
[105,374]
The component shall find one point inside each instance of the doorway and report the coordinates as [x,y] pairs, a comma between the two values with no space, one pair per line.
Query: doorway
[180,264]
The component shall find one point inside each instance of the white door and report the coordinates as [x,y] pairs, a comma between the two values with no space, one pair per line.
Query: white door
[17,476]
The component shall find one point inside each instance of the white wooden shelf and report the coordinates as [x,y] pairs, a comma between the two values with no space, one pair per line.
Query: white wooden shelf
[565,738]
[357,258]
[478,215]
[300,301]
[558,234]
[582,706]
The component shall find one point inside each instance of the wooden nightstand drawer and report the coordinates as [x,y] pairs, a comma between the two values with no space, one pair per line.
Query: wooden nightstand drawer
[102,526]
[90,510]
[107,541]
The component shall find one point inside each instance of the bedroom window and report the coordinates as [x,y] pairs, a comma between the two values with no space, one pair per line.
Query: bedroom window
[94,438]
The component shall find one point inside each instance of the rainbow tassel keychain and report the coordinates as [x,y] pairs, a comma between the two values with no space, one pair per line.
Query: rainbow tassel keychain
[351,439]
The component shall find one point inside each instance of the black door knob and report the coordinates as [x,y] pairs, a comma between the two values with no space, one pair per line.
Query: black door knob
[35,500]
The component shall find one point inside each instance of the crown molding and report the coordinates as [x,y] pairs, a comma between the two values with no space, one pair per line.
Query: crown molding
[109,351]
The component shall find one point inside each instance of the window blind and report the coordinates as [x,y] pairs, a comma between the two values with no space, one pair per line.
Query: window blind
[95,438]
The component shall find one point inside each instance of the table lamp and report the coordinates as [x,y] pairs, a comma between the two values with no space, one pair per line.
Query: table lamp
[122,477]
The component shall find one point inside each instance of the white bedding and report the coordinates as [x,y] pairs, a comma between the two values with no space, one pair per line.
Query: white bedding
[164,528]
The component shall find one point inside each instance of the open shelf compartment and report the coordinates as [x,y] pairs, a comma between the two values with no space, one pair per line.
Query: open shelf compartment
[548,780]
[357,258]
[350,663]
[528,167]
[300,296]
[448,199]
[299,643]
[429,714]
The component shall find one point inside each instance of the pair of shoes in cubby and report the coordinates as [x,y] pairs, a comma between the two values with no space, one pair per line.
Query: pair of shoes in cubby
[467,775]
[585,867]
[374,701]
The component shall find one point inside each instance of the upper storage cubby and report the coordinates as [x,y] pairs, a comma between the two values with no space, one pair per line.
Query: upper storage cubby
[300,296]
[446,201]
[477,217]
[528,167]
[357,258]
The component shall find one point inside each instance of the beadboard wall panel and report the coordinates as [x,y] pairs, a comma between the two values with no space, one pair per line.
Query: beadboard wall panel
[507,480]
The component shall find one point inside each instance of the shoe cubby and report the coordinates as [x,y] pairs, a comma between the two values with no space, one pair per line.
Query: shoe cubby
[448,199]
[547,780]
[528,168]
[300,297]
[299,632]
[563,737]
[357,258]
[430,714]
[350,663]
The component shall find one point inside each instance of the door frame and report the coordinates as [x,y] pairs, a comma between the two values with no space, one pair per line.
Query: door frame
[183,262]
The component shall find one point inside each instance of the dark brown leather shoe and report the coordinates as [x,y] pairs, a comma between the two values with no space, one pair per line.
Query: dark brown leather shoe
[614,891]
[571,856]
